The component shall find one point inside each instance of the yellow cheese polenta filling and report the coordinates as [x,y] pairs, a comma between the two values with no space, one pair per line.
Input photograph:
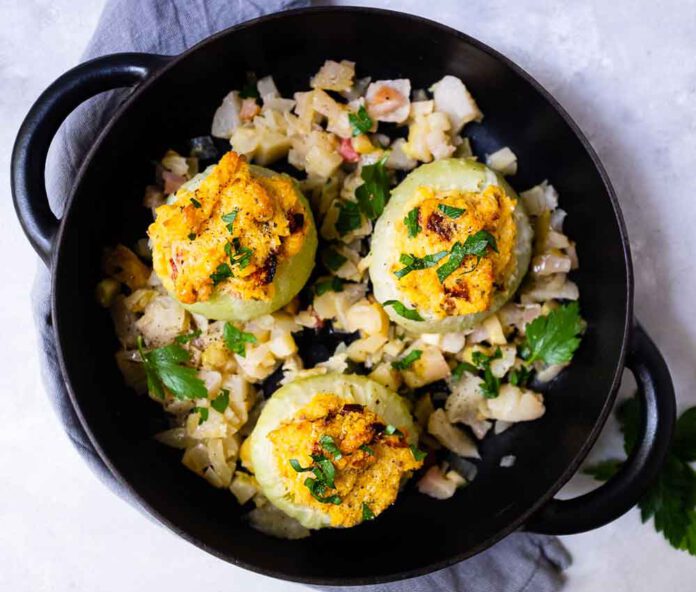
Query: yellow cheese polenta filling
[228,234]
[442,223]
[369,459]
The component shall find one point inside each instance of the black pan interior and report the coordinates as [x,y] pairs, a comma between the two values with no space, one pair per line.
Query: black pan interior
[419,533]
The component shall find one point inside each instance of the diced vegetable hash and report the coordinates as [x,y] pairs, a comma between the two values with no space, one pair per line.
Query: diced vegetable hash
[212,377]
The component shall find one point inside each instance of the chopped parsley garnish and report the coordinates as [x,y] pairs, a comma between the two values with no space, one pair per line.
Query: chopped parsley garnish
[203,414]
[324,473]
[411,222]
[220,402]
[418,454]
[348,218]
[392,430]
[373,194]
[367,513]
[451,211]
[192,236]
[240,256]
[328,444]
[413,263]
[520,376]
[476,245]
[408,313]
[671,498]
[360,121]
[188,336]
[221,273]
[553,338]
[490,387]
[236,340]
[365,448]
[229,219]
[335,284]
[195,202]
[407,361]
[332,259]
[462,367]
[164,368]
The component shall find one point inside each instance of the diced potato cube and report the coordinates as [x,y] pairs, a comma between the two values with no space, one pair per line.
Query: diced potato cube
[430,367]
[386,376]
[337,76]
[368,318]
[504,161]
[244,487]
[282,344]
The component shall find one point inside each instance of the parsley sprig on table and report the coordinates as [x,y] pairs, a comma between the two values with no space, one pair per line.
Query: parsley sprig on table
[165,369]
[671,500]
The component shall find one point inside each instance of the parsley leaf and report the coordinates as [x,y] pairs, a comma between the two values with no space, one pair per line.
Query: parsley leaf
[367,449]
[241,255]
[221,273]
[348,218]
[229,219]
[411,222]
[374,193]
[317,488]
[418,454]
[164,369]
[490,388]
[553,338]
[335,284]
[295,464]
[413,263]
[188,336]
[195,202]
[332,259]
[520,376]
[221,402]
[367,513]
[671,499]
[451,211]
[476,245]
[203,414]
[328,444]
[325,475]
[236,340]
[407,361]
[462,367]
[360,121]
[408,313]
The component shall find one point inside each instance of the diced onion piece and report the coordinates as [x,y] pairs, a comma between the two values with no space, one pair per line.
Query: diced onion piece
[267,88]
[226,118]
[501,366]
[549,287]
[451,97]
[361,349]
[216,453]
[337,76]
[435,484]
[163,320]
[430,367]
[211,379]
[515,404]
[540,198]
[464,402]
[367,317]
[257,364]
[504,161]
[282,344]
[174,162]
[175,437]
[385,375]
[450,436]
[494,330]
[519,315]
[550,263]
[388,100]
[196,458]
[322,161]
[549,373]
[244,487]
[397,157]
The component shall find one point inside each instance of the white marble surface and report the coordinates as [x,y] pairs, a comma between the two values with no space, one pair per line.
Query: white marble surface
[626,72]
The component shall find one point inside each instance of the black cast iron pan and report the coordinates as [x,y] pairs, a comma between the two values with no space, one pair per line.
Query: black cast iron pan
[173,98]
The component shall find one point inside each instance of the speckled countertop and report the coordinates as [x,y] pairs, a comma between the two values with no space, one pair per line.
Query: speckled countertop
[626,72]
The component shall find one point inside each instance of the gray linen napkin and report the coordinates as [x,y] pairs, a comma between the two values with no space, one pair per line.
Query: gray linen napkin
[522,562]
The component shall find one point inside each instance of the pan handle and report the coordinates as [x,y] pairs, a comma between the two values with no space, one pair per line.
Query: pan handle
[41,124]
[620,493]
